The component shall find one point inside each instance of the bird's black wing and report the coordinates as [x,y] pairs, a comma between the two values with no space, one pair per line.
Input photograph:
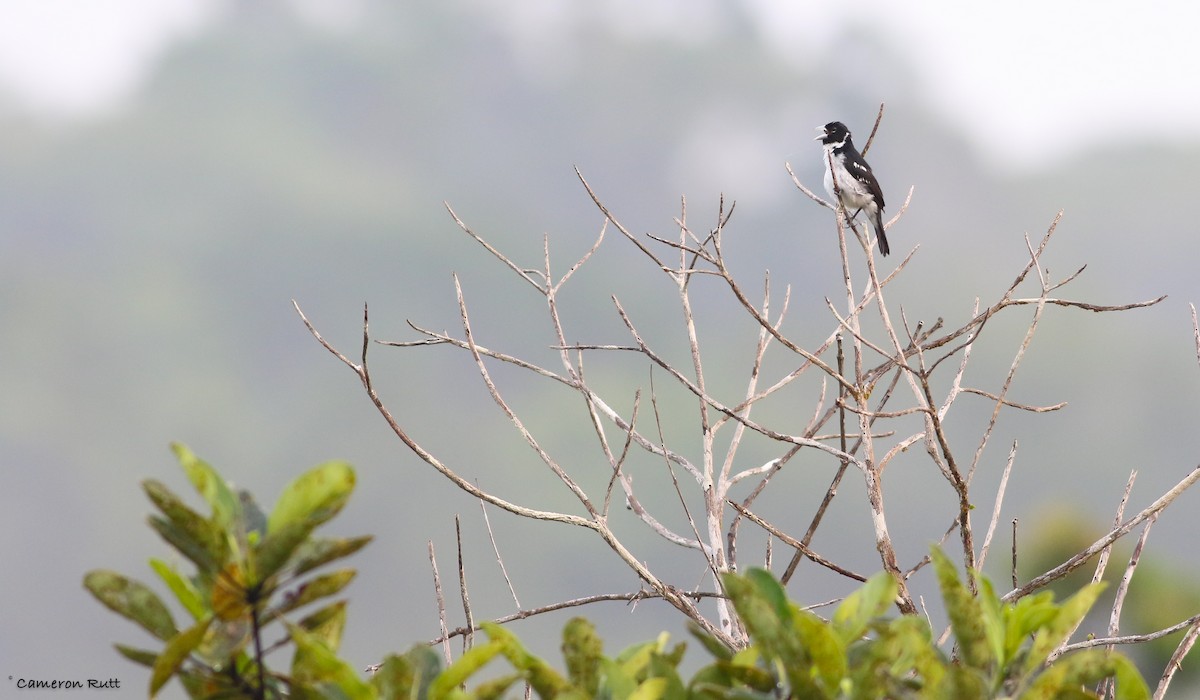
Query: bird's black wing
[862,172]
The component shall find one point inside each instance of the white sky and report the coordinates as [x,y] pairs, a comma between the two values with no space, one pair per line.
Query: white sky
[1026,79]
[1030,79]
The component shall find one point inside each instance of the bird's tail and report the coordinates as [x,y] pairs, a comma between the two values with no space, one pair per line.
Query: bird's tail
[883,244]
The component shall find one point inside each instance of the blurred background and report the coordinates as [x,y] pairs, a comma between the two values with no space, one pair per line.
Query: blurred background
[174,173]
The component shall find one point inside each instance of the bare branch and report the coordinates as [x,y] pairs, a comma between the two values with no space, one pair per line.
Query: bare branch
[807,192]
[710,555]
[1114,621]
[1014,552]
[574,603]
[624,231]
[512,416]
[428,457]
[1132,638]
[1001,399]
[441,602]
[793,542]
[686,383]
[1082,557]
[1102,562]
[487,522]
[595,246]
[987,539]
[875,356]
[1176,662]
[522,273]
[1195,332]
[874,129]
[468,640]
[1013,404]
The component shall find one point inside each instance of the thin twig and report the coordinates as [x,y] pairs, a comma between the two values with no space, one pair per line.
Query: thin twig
[987,538]
[1014,552]
[1176,661]
[1195,332]
[487,523]
[1102,561]
[1114,620]
[874,129]
[441,603]
[549,461]
[1092,550]
[574,603]
[793,542]
[521,272]
[468,640]
[1132,638]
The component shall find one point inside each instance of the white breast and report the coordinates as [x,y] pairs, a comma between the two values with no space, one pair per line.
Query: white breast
[854,193]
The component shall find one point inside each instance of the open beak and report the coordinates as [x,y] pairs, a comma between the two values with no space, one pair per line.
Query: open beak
[820,133]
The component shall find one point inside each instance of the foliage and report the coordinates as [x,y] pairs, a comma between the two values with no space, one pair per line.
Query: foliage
[1003,650]
[251,571]
[245,560]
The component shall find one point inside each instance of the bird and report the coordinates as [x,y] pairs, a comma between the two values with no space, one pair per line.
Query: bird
[855,183]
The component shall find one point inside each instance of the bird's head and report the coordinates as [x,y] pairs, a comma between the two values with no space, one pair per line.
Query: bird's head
[833,134]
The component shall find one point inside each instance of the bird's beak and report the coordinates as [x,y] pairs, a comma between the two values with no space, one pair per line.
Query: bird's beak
[820,133]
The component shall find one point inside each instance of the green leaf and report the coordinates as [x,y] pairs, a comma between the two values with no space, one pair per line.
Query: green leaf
[582,652]
[966,618]
[962,682]
[544,679]
[176,652]
[1056,631]
[319,551]
[991,611]
[634,659]
[327,624]
[317,666]
[1026,616]
[187,545]
[650,689]
[771,591]
[495,688]
[900,651]
[710,643]
[463,668]
[313,497]
[209,484]
[756,604]
[616,680]
[138,656]
[864,605]
[1130,684]
[273,553]
[314,590]
[770,618]
[133,600]
[752,677]
[825,650]
[1088,667]
[407,676]
[225,640]
[183,589]
[185,529]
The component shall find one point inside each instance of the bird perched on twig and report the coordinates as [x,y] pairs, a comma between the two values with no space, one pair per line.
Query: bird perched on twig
[849,178]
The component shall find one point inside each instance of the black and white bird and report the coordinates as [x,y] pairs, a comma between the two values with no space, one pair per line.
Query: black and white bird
[856,183]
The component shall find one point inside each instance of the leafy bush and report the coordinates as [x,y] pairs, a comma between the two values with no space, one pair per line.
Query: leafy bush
[1003,651]
[253,570]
